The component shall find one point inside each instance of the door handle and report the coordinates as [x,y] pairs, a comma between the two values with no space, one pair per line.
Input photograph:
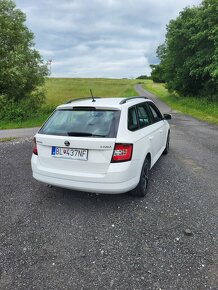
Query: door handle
[150,138]
[161,131]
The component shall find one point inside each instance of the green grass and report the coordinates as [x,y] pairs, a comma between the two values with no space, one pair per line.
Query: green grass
[34,122]
[7,139]
[202,109]
[60,90]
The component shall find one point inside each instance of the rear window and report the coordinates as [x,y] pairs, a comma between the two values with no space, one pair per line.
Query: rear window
[82,122]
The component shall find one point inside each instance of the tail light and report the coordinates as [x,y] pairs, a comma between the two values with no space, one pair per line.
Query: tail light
[34,146]
[122,152]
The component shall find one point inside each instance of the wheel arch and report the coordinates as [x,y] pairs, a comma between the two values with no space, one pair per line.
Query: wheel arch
[148,156]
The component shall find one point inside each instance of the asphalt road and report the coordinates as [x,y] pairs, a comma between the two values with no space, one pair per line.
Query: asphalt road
[18,133]
[52,238]
[162,106]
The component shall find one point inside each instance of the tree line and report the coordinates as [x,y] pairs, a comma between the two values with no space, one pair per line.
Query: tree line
[22,71]
[189,56]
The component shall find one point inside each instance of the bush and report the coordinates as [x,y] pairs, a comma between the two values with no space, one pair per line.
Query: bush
[21,110]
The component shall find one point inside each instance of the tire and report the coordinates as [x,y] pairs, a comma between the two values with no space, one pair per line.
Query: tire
[166,150]
[142,187]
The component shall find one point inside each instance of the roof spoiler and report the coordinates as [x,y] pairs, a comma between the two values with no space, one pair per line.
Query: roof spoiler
[80,99]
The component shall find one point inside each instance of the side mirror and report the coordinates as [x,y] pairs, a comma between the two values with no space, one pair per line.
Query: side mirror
[167,116]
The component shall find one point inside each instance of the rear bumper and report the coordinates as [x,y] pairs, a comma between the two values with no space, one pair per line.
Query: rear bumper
[120,178]
[112,188]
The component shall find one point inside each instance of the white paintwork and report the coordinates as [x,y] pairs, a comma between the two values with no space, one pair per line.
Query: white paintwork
[98,174]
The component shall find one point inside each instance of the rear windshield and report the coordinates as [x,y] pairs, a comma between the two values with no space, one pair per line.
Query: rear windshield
[82,122]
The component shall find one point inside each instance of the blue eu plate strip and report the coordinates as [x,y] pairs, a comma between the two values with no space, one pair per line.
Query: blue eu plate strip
[53,150]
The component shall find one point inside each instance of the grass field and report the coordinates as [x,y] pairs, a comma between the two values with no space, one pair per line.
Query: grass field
[202,109]
[60,90]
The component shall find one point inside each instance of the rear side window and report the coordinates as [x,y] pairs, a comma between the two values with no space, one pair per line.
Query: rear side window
[156,114]
[132,119]
[143,115]
[83,122]
[138,117]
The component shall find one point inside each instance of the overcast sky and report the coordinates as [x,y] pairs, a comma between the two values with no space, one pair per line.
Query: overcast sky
[100,38]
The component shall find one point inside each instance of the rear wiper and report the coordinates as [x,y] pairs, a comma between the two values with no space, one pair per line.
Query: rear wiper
[84,134]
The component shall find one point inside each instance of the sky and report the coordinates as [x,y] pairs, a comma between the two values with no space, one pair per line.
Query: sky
[100,38]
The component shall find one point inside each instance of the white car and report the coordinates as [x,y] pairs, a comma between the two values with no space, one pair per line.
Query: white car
[103,145]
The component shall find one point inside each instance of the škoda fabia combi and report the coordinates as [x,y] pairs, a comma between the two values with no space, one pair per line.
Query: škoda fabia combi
[101,145]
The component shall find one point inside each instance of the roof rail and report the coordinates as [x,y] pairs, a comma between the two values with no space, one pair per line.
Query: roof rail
[80,99]
[131,98]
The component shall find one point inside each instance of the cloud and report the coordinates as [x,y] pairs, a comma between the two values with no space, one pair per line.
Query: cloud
[110,38]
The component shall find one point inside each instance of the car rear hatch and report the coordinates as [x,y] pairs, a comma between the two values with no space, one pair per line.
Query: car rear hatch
[78,141]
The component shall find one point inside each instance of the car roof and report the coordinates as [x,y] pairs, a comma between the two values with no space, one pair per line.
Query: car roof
[113,103]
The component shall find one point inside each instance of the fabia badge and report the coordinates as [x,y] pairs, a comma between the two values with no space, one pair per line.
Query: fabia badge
[67,143]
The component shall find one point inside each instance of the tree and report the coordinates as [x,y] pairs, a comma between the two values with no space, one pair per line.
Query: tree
[143,77]
[22,70]
[189,56]
[158,70]
[157,73]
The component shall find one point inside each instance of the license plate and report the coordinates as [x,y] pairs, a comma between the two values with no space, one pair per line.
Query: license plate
[70,153]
